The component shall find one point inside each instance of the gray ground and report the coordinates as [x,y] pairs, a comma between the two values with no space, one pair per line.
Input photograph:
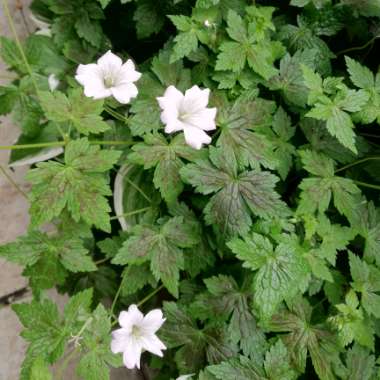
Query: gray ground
[13,222]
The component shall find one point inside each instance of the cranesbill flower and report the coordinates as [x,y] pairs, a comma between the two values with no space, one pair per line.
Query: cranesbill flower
[137,334]
[109,77]
[188,113]
[185,377]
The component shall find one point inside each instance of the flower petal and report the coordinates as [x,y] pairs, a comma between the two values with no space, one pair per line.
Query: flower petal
[128,73]
[153,344]
[119,340]
[204,119]
[195,137]
[91,78]
[153,321]
[131,317]
[172,98]
[124,93]
[195,99]
[110,62]
[132,355]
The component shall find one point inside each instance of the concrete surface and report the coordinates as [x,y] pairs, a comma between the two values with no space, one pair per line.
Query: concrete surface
[13,223]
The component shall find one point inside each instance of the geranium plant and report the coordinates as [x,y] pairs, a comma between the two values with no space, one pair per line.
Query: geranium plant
[210,172]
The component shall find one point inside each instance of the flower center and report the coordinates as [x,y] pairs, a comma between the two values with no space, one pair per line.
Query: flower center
[136,332]
[109,81]
[183,116]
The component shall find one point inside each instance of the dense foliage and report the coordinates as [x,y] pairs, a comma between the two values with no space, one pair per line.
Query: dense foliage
[263,248]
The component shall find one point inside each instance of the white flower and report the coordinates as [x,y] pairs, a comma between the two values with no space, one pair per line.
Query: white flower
[53,82]
[137,334]
[207,23]
[185,377]
[188,113]
[109,77]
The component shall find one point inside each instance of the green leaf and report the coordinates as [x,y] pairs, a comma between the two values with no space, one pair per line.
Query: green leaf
[80,111]
[360,364]
[40,370]
[11,55]
[352,324]
[366,280]
[104,3]
[77,185]
[185,43]
[290,80]
[135,277]
[259,55]
[162,247]
[304,337]
[279,271]
[88,29]
[42,329]
[318,190]
[226,300]
[196,346]
[236,194]
[8,97]
[149,20]
[166,158]
[360,75]
[239,136]
[275,367]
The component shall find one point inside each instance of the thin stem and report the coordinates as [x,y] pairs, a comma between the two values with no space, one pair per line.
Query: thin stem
[369,185]
[116,142]
[138,189]
[357,163]
[101,261]
[62,143]
[138,211]
[18,43]
[150,295]
[115,114]
[13,183]
[357,47]
[117,295]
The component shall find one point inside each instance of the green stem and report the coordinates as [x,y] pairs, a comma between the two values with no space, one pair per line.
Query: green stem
[357,163]
[150,295]
[115,114]
[357,47]
[18,43]
[369,185]
[63,143]
[117,295]
[138,189]
[138,211]
[101,261]
[13,183]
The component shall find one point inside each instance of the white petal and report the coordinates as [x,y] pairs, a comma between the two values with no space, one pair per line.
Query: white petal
[204,119]
[153,321]
[128,73]
[174,126]
[129,318]
[119,340]
[124,93]
[110,62]
[53,82]
[172,98]
[195,137]
[132,355]
[153,344]
[91,78]
[43,155]
[195,99]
